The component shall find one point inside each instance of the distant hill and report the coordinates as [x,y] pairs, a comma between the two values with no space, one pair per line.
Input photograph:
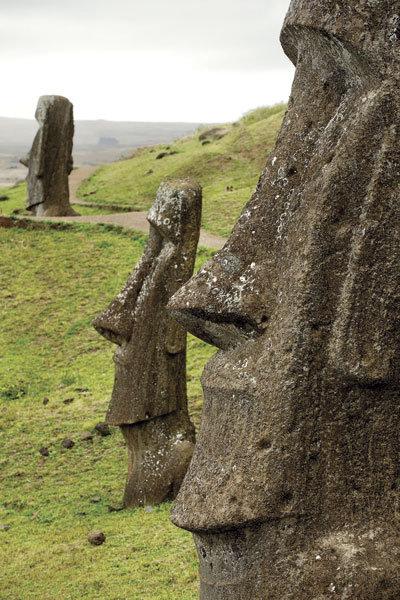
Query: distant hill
[16,135]
[95,142]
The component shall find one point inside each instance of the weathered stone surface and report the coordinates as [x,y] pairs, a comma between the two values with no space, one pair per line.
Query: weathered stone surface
[149,397]
[50,159]
[294,487]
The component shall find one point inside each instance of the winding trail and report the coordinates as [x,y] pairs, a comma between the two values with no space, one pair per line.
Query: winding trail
[130,220]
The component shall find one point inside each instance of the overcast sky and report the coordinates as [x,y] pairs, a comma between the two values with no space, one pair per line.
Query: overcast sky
[144,60]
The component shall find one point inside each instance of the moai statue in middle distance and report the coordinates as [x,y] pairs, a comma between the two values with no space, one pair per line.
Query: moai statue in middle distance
[50,159]
[149,399]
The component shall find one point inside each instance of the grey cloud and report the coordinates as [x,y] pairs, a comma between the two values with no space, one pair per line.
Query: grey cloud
[225,34]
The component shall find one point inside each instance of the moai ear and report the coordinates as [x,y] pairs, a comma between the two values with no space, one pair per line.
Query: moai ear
[366,335]
[175,337]
[42,141]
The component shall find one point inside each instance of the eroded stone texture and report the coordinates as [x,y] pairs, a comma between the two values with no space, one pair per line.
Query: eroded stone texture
[293,490]
[50,159]
[149,399]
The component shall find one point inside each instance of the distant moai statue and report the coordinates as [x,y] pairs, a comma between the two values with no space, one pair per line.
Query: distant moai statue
[293,492]
[50,159]
[149,399]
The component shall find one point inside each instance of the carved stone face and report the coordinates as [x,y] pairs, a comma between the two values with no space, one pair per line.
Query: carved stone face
[149,360]
[302,302]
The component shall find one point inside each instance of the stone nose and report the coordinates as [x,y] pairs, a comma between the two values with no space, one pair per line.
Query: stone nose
[216,310]
[115,322]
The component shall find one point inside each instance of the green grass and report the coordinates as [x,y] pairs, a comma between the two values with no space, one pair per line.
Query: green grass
[235,160]
[54,283]
[16,203]
[55,280]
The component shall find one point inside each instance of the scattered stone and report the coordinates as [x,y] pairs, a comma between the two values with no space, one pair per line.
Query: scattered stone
[95,500]
[87,437]
[81,390]
[216,133]
[44,451]
[68,400]
[67,443]
[81,513]
[112,508]
[4,526]
[205,142]
[151,409]
[173,152]
[4,198]
[50,159]
[45,401]
[103,429]
[96,538]
[161,155]
[149,509]
[149,172]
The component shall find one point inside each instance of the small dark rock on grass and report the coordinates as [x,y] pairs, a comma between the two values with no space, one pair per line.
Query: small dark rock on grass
[96,538]
[45,401]
[113,508]
[67,443]
[86,437]
[68,400]
[95,500]
[44,451]
[4,527]
[103,429]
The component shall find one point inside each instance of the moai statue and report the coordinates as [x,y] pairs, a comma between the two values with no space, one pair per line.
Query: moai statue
[293,492]
[50,159]
[149,399]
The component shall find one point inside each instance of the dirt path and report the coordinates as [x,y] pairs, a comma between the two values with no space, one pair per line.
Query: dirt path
[129,220]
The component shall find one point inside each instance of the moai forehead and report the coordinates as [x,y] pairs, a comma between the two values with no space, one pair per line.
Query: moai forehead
[47,103]
[176,211]
[369,27]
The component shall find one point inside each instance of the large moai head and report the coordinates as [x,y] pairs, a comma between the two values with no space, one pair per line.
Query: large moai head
[50,158]
[293,489]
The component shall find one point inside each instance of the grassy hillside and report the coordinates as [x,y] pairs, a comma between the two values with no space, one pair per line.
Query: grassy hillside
[55,280]
[235,160]
[227,167]
[54,283]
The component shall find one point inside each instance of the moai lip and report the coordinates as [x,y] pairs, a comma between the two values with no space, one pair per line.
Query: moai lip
[50,159]
[149,399]
[293,489]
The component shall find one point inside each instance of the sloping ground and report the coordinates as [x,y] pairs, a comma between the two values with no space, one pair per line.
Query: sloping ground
[54,281]
[226,160]
[227,163]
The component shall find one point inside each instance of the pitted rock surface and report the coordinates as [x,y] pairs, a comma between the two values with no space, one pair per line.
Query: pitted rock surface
[149,399]
[50,159]
[298,449]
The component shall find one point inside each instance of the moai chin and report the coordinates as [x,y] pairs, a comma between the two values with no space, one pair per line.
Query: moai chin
[50,159]
[149,399]
[294,487]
